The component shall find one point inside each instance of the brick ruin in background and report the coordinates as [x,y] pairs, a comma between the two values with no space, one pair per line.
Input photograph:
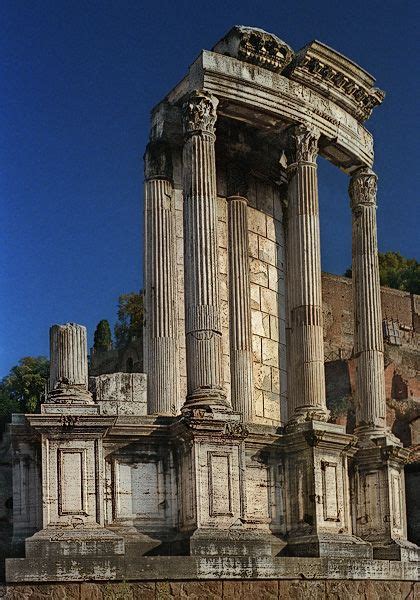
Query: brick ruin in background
[227,459]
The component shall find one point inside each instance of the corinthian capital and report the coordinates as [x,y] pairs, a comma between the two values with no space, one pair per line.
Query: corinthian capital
[303,144]
[362,188]
[199,113]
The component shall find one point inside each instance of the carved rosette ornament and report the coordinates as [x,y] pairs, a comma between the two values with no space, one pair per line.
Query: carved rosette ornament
[303,144]
[199,113]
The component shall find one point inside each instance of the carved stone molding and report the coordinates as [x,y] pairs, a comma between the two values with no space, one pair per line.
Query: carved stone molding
[303,144]
[199,113]
[69,421]
[366,101]
[235,429]
[363,187]
[334,76]
[255,46]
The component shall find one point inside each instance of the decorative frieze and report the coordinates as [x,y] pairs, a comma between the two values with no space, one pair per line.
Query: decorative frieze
[255,46]
[331,74]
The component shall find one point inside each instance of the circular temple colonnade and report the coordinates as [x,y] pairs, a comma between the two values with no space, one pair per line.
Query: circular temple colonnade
[226,460]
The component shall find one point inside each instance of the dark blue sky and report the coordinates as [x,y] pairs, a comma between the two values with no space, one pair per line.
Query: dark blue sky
[78,82]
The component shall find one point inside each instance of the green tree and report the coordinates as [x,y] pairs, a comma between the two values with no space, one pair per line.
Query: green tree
[130,319]
[102,340]
[398,272]
[22,389]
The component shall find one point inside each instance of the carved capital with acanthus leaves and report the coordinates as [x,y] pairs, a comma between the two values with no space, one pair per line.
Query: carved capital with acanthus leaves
[199,113]
[302,144]
[362,188]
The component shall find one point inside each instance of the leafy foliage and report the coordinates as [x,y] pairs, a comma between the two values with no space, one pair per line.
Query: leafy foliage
[22,389]
[102,337]
[398,272]
[130,319]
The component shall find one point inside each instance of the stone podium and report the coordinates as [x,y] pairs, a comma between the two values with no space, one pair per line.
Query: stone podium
[222,455]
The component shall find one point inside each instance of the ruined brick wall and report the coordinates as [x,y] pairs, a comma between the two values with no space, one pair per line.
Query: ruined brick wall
[218,590]
[402,355]
[401,317]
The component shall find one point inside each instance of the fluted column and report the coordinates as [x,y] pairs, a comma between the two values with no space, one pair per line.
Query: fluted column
[202,310]
[160,283]
[68,364]
[306,364]
[240,312]
[368,339]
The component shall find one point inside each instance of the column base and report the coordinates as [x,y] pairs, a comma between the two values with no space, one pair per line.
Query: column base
[378,483]
[318,522]
[55,553]
[402,550]
[304,414]
[368,436]
[69,394]
[207,400]
[328,545]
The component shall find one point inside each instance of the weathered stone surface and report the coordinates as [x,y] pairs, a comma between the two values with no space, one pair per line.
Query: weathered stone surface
[234,484]
[161,340]
[68,365]
[120,393]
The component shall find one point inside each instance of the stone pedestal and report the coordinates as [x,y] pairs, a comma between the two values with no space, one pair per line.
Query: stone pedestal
[379,495]
[27,488]
[212,471]
[71,433]
[73,532]
[317,492]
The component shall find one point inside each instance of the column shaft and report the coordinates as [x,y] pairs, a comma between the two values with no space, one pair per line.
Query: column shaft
[368,339]
[68,365]
[161,314]
[241,361]
[202,318]
[306,364]
[68,354]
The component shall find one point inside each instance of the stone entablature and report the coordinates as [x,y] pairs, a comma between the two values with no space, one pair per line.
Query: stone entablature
[235,462]
[334,76]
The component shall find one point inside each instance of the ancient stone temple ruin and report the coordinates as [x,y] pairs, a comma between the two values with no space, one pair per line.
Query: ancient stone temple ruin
[222,455]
